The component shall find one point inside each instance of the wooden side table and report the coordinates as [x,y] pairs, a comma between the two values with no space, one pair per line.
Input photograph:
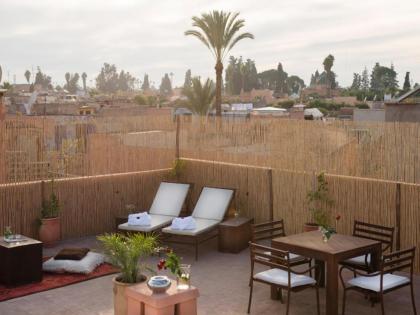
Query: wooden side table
[141,301]
[20,262]
[234,234]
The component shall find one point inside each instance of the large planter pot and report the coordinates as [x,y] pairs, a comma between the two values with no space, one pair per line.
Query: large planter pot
[120,300]
[49,231]
[309,227]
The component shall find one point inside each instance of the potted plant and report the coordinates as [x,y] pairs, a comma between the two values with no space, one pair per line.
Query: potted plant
[126,253]
[317,200]
[49,229]
[178,166]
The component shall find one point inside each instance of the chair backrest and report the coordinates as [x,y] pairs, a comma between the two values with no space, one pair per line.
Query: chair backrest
[267,230]
[383,234]
[399,261]
[213,203]
[269,256]
[169,199]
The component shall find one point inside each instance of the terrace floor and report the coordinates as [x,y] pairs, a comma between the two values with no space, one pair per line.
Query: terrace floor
[221,278]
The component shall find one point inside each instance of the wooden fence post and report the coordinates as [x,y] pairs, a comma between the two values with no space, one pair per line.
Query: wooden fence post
[398,215]
[271,193]
[178,127]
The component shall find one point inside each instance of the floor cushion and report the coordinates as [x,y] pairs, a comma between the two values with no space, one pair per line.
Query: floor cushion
[85,265]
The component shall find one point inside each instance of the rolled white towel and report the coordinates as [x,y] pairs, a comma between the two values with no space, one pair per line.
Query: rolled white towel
[187,223]
[142,218]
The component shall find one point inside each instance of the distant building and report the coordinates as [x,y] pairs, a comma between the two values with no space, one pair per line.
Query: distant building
[406,108]
[369,114]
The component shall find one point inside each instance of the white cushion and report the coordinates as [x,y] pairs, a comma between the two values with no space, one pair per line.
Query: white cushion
[86,265]
[280,277]
[373,283]
[202,225]
[292,257]
[169,199]
[359,260]
[156,222]
[212,203]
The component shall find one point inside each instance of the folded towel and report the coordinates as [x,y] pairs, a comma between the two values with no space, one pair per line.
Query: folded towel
[142,218]
[187,223]
[71,254]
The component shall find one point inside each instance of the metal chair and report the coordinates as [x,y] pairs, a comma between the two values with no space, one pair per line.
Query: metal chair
[268,231]
[281,274]
[384,281]
[375,232]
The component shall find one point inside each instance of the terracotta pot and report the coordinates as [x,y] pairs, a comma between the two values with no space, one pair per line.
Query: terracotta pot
[308,227]
[49,231]
[120,301]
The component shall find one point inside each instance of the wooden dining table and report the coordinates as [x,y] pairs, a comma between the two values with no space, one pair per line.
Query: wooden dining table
[338,248]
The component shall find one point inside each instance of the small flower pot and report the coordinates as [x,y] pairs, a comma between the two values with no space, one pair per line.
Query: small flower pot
[309,227]
[120,300]
[49,231]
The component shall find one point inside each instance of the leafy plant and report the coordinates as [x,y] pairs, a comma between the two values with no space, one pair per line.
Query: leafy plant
[178,167]
[126,251]
[50,208]
[318,199]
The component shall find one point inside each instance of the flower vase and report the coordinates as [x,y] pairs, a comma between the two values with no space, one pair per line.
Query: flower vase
[183,280]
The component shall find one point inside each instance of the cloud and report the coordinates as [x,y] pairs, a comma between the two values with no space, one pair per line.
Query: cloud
[147,36]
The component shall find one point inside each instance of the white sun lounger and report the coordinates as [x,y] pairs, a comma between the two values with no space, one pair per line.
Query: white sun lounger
[209,211]
[166,206]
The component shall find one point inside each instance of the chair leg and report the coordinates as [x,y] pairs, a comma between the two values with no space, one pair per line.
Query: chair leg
[250,295]
[382,304]
[317,300]
[310,266]
[288,302]
[196,249]
[412,299]
[344,301]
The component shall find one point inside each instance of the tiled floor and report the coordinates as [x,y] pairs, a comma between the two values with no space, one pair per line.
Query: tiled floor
[221,278]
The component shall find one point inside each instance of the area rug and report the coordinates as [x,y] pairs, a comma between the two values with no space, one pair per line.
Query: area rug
[53,281]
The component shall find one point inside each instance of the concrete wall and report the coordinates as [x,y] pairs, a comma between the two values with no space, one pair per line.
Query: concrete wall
[368,114]
[402,112]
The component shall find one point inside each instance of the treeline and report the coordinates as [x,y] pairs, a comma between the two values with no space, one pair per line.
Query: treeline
[242,75]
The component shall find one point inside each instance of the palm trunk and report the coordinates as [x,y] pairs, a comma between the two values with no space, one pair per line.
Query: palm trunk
[218,104]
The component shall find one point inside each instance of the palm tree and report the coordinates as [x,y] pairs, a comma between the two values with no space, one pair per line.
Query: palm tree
[200,97]
[328,64]
[27,75]
[218,30]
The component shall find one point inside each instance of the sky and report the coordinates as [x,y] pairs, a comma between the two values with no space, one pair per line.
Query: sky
[144,36]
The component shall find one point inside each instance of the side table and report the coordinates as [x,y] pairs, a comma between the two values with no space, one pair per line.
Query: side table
[141,301]
[234,234]
[21,262]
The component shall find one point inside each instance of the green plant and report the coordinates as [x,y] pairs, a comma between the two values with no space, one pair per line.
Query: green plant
[50,208]
[318,199]
[125,252]
[173,263]
[178,167]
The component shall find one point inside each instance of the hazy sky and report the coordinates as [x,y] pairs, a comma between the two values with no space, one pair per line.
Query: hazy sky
[147,36]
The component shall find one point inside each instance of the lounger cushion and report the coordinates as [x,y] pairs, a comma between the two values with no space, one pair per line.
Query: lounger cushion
[157,221]
[280,277]
[169,199]
[359,260]
[213,203]
[373,283]
[203,225]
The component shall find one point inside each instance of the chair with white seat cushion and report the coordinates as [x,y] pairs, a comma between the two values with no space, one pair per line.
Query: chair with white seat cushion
[208,212]
[383,281]
[166,206]
[383,234]
[281,275]
[267,231]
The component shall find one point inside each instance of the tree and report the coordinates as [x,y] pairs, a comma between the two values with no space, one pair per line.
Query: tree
[125,81]
[84,77]
[200,97]
[294,84]
[42,79]
[1,73]
[383,80]
[187,81]
[67,76]
[357,81]
[281,85]
[165,88]
[146,85]
[27,75]
[140,100]
[364,81]
[218,31]
[107,80]
[407,84]
[329,75]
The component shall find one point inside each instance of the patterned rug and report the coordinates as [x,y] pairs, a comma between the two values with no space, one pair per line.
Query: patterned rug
[53,281]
